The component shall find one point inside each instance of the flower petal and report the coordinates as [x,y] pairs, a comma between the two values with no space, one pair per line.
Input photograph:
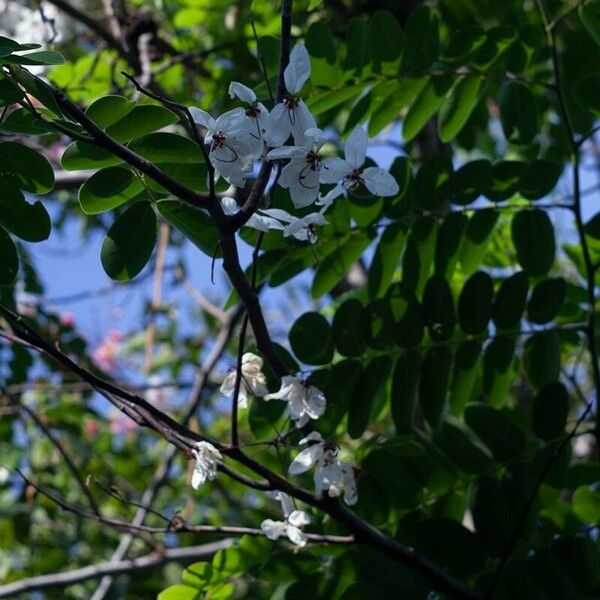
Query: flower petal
[244,93]
[202,118]
[286,152]
[305,460]
[298,518]
[273,529]
[379,182]
[356,147]
[298,69]
[295,535]
[334,170]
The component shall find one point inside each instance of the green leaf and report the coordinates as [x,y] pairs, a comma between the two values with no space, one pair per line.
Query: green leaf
[374,378]
[336,265]
[9,265]
[107,189]
[470,181]
[475,303]
[387,38]
[509,303]
[404,390]
[431,182]
[539,178]
[586,504]
[506,179]
[27,168]
[311,339]
[43,57]
[461,449]
[449,240]
[541,358]
[550,411]
[386,258]
[108,110]
[425,105]
[30,222]
[320,42]
[498,370]
[422,44]
[589,13]
[181,592]
[359,46]
[546,300]
[585,92]
[497,431]
[476,238]
[458,108]
[9,92]
[347,331]
[195,224]
[433,385]
[592,227]
[129,242]
[141,120]
[389,98]
[325,101]
[533,237]
[81,155]
[406,326]
[517,112]
[464,375]
[168,148]
[36,87]
[438,309]
[419,253]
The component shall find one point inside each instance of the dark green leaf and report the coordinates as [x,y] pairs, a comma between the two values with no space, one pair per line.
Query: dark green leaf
[27,168]
[422,39]
[36,87]
[425,105]
[461,449]
[475,303]
[336,265]
[404,390]
[458,108]
[430,182]
[311,339]
[465,372]
[43,57]
[542,358]
[497,431]
[589,13]
[194,223]
[546,300]
[539,179]
[470,181]
[449,240]
[477,236]
[592,227]
[129,242]
[108,110]
[438,309]
[30,222]
[386,259]
[509,303]
[387,38]
[419,254]
[164,147]
[406,325]
[506,179]
[374,378]
[586,504]
[9,92]
[107,189]
[498,370]
[533,237]
[81,155]
[518,112]
[550,410]
[9,265]
[347,330]
[433,385]
[141,120]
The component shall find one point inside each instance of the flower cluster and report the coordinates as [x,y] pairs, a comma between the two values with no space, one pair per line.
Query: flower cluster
[208,459]
[253,381]
[239,137]
[295,520]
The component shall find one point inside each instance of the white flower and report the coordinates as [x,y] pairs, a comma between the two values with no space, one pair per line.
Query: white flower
[208,459]
[347,484]
[287,505]
[256,221]
[232,145]
[291,527]
[302,228]
[256,113]
[303,173]
[292,116]
[331,475]
[253,380]
[305,401]
[346,173]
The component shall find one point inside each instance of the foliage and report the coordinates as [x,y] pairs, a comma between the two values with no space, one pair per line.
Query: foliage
[451,327]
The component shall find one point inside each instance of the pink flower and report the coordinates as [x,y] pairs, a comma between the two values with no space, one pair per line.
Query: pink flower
[105,355]
[67,319]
